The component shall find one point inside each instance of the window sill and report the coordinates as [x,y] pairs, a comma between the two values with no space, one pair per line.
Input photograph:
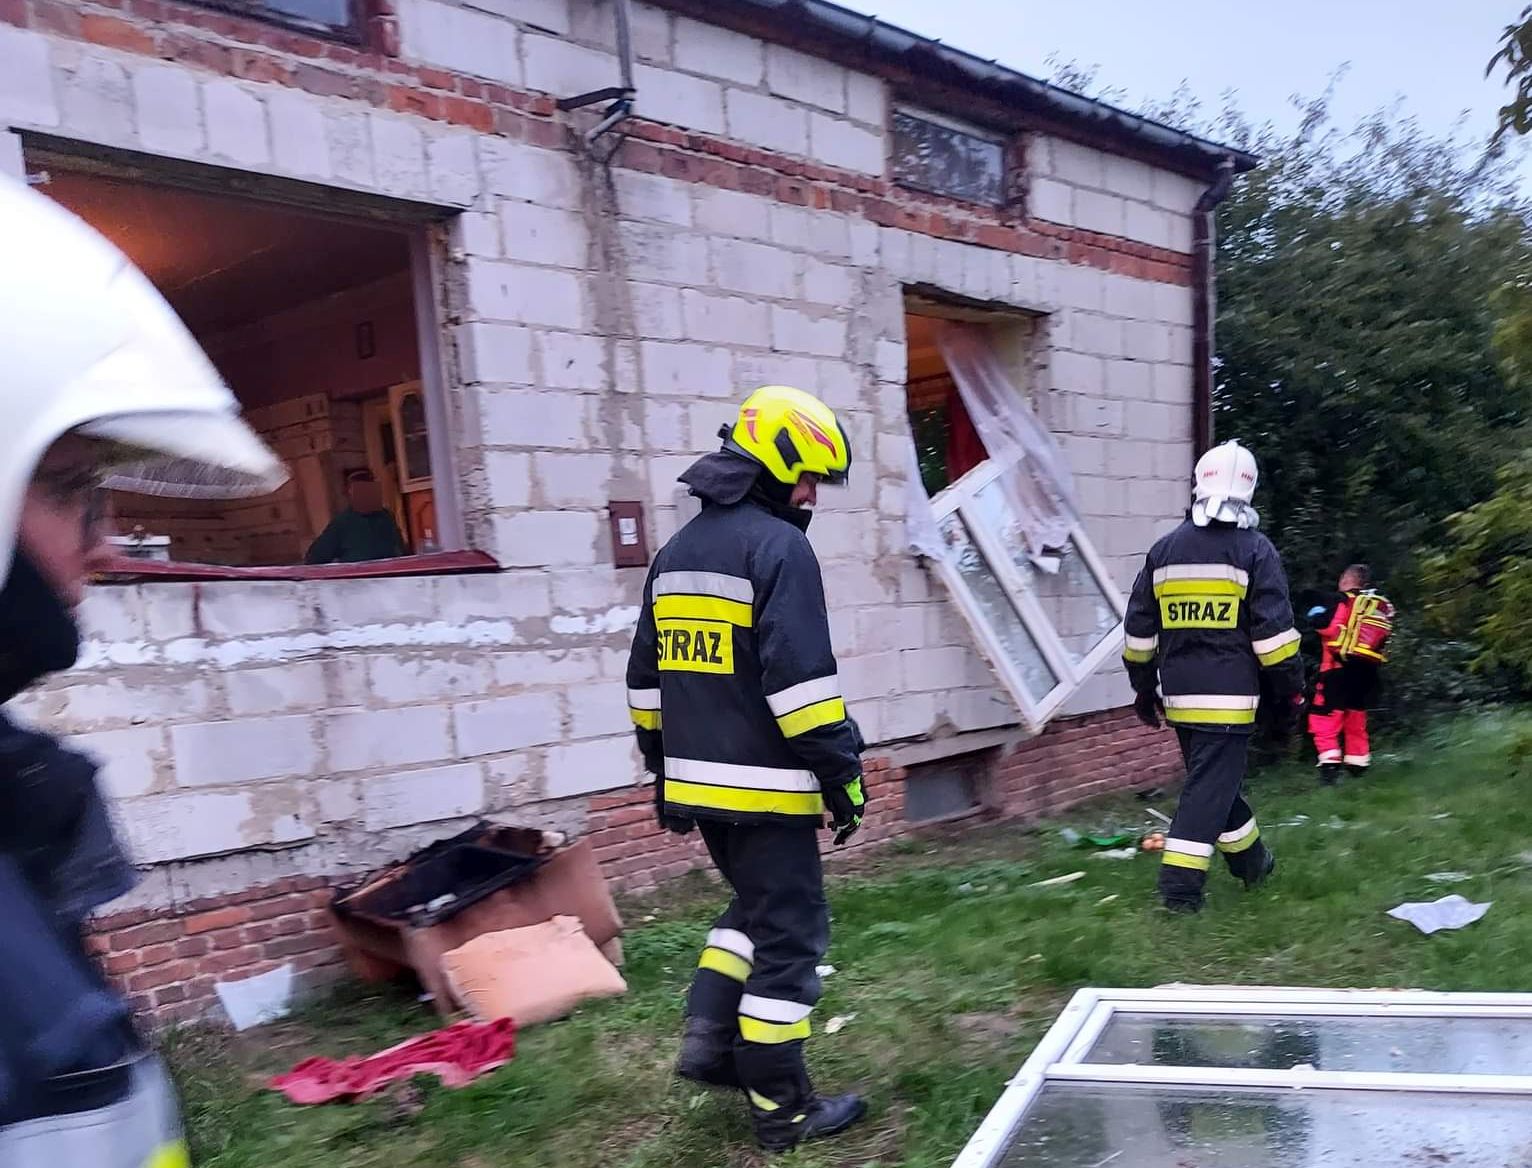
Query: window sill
[126,570]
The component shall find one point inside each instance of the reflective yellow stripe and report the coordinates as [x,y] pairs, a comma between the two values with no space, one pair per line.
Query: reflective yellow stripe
[645,719]
[1195,863]
[743,799]
[710,608]
[173,1155]
[773,1033]
[731,965]
[1138,656]
[1210,717]
[825,713]
[1277,656]
[761,1103]
[1200,588]
[1244,843]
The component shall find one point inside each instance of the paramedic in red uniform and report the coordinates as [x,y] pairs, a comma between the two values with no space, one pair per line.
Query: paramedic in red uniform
[1353,630]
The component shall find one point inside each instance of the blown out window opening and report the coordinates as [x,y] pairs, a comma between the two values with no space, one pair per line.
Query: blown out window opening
[323,326]
[1003,530]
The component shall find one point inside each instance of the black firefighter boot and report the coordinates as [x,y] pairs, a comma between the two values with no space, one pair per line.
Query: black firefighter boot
[1329,774]
[780,1129]
[707,1053]
[1259,867]
[785,1110]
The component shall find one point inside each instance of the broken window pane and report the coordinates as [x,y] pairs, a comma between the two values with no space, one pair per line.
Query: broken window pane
[999,615]
[1078,1125]
[936,157]
[1442,1046]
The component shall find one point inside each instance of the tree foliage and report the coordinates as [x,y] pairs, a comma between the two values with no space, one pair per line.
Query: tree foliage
[1360,275]
[1515,57]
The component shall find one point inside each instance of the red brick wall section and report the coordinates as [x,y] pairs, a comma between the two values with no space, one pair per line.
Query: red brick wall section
[1083,758]
[167,963]
[251,50]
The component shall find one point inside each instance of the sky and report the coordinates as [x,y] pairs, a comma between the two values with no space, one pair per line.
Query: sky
[1429,53]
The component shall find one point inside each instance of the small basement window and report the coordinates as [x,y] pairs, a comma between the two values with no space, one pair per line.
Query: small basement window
[313,321]
[945,157]
[942,789]
[1014,554]
[337,19]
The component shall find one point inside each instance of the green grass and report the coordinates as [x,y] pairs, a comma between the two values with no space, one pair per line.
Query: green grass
[953,967]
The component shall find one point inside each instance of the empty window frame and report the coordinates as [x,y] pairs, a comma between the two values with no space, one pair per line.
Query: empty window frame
[323,325]
[336,19]
[945,157]
[1045,622]
[1283,1078]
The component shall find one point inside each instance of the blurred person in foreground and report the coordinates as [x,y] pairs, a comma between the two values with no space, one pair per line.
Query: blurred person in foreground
[102,387]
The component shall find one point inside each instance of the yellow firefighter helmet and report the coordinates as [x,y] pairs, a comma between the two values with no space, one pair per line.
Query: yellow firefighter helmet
[792,433]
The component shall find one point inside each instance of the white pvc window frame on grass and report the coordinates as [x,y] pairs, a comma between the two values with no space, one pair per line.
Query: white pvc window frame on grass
[1061,1056]
[1037,703]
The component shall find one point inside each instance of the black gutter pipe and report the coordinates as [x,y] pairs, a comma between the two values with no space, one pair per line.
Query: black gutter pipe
[1204,305]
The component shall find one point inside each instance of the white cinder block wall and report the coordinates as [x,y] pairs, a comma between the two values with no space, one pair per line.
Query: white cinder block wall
[599,325]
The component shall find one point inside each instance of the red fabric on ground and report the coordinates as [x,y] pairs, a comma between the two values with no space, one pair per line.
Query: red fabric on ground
[456,1055]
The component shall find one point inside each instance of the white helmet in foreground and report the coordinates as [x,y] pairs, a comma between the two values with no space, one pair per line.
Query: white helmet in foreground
[1225,483]
[87,345]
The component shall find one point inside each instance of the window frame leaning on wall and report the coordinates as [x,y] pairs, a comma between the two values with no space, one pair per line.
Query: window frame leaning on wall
[1016,512]
[962,500]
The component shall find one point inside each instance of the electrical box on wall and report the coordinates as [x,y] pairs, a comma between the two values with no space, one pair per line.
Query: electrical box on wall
[630,546]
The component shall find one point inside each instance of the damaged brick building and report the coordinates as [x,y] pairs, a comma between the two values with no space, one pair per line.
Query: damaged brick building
[407,258]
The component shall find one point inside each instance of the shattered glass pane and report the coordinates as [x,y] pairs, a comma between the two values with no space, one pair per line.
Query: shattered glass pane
[1078,1125]
[1003,622]
[1441,1045]
[945,161]
[1080,611]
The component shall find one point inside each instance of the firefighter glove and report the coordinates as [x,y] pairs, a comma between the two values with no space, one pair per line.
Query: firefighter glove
[679,824]
[1149,708]
[845,805]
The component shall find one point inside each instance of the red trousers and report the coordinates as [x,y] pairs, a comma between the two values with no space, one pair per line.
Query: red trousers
[1340,736]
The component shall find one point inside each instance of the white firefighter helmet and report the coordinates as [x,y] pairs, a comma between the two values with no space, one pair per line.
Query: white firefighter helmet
[88,346]
[1226,477]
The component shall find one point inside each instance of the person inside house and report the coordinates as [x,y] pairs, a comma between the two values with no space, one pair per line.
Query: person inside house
[102,387]
[364,531]
[1209,629]
[1354,626]
[735,696]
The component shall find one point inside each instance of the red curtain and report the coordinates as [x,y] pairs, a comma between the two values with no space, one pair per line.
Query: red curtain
[965,449]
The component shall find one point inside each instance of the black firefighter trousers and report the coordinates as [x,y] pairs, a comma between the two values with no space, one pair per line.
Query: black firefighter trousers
[1212,816]
[758,971]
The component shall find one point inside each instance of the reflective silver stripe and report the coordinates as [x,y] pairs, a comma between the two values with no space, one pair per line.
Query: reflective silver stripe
[1202,572]
[1358,760]
[1142,644]
[1189,848]
[732,941]
[644,699]
[1211,701]
[806,693]
[1239,833]
[728,774]
[1329,756]
[705,584]
[773,1009]
[1268,644]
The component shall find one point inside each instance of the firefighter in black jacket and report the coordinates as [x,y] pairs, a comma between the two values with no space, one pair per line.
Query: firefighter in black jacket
[733,689]
[1210,623]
